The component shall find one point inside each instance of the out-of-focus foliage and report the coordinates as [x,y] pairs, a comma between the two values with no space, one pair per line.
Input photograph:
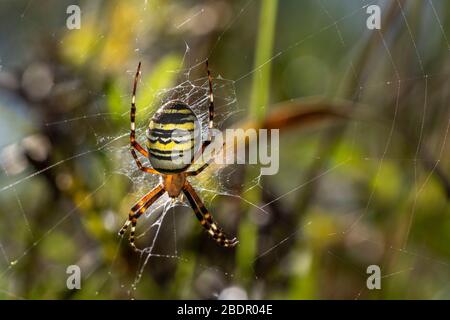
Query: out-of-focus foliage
[364,157]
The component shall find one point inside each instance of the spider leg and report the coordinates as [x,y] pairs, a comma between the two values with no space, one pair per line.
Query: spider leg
[204,166]
[196,156]
[210,126]
[134,144]
[139,164]
[138,209]
[196,172]
[136,206]
[211,98]
[206,219]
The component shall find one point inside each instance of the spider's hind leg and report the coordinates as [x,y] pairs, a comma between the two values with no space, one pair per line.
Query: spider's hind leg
[138,209]
[206,219]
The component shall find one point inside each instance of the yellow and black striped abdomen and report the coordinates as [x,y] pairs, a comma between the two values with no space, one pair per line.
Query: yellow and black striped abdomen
[171,137]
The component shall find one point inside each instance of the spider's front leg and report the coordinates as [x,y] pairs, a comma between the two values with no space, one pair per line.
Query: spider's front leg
[208,141]
[211,98]
[133,143]
[206,219]
[138,209]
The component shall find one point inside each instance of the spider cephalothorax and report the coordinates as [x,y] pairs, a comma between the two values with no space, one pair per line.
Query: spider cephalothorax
[171,139]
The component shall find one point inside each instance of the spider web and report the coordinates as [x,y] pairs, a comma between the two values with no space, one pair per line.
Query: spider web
[214,181]
[352,227]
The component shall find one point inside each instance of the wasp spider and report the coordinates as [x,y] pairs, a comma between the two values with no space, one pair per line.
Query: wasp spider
[171,133]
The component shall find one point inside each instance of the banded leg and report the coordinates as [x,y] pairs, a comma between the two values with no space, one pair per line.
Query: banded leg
[140,204]
[200,151]
[134,144]
[196,172]
[210,113]
[139,164]
[205,218]
[204,166]
[211,98]
[138,209]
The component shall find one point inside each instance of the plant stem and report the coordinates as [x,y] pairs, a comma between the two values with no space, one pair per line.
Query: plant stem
[261,79]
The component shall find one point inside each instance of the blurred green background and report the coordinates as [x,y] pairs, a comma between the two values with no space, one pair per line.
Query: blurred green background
[364,157]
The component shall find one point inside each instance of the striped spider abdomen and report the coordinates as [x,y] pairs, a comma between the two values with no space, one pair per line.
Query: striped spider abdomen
[173,137]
